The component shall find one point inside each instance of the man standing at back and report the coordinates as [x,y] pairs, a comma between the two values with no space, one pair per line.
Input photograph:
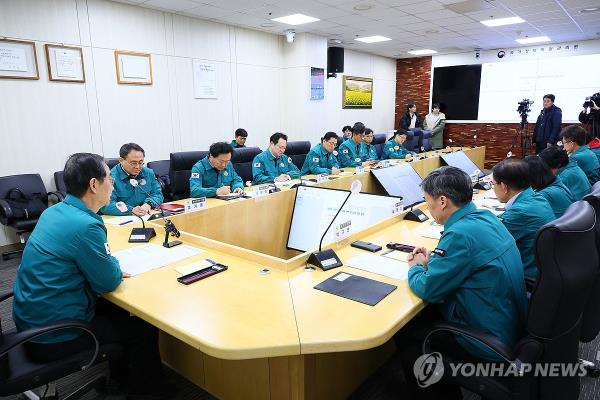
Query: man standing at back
[547,126]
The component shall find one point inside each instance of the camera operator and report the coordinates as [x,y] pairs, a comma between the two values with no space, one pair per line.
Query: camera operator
[591,114]
[547,126]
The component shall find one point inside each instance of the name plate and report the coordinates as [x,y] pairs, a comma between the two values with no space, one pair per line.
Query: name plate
[343,230]
[360,170]
[195,204]
[261,191]
[397,208]
[322,178]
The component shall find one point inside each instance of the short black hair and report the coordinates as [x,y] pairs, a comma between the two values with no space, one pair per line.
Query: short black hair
[451,182]
[128,148]
[358,128]
[574,133]
[368,131]
[276,136]
[241,132]
[555,157]
[512,172]
[216,149]
[346,128]
[435,105]
[400,132]
[540,174]
[549,96]
[328,136]
[80,168]
[410,105]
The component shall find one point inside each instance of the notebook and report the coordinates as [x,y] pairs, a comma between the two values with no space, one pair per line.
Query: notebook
[357,288]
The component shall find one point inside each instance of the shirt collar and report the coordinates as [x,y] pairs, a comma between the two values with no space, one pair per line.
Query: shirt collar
[207,164]
[77,203]
[458,214]
[271,156]
[322,151]
[525,193]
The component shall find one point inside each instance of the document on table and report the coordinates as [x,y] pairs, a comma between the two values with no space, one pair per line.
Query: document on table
[380,265]
[125,219]
[490,204]
[139,259]
[433,231]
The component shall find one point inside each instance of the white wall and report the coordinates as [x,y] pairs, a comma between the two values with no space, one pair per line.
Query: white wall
[263,85]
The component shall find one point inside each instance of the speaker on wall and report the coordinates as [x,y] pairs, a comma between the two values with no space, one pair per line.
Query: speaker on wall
[335,60]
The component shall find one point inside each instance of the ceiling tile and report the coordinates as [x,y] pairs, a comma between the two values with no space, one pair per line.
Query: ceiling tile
[172,5]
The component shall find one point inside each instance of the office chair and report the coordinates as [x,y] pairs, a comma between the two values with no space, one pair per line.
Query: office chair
[180,170]
[59,181]
[242,161]
[111,162]
[19,374]
[161,171]
[297,151]
[554,321]
[30,185]
[379,142]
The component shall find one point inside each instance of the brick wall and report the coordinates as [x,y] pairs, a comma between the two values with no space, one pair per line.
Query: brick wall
[413,78]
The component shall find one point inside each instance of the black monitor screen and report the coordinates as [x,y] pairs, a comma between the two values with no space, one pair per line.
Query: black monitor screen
[401,181]
[456,90]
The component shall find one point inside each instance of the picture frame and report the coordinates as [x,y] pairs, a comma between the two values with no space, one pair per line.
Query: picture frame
[317,83]
[18,60]
[357,92]
[65,63]
[133,68]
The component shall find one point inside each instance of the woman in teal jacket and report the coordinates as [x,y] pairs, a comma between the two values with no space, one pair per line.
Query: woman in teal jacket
[549,186]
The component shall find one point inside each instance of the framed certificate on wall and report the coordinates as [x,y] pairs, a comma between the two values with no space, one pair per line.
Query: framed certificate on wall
[133,68]
[18,60]
[65,63]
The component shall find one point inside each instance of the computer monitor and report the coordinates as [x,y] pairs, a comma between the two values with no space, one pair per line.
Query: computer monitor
[460,160]
[401,181]
[314,208]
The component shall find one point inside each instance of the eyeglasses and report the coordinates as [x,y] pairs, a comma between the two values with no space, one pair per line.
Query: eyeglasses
[134,164]
[219,161]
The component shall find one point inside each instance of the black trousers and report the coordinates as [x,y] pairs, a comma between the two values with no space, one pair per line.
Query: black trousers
[140,368]
[409,341]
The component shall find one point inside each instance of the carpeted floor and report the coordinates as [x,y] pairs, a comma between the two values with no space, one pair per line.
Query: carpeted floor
[385,384]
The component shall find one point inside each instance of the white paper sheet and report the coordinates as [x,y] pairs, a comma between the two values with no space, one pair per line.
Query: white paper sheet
[13,59]
[139,259]
[433,231]
[68,63]
[125,218]
[205,80]
[135,67]
[380,265]
[492,205]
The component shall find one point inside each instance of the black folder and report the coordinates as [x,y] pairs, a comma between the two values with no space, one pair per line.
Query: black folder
[357,288]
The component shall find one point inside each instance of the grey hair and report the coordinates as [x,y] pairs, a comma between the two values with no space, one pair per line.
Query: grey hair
[451,182]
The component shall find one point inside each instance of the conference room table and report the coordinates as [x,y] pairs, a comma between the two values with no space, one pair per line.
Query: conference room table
[260,330]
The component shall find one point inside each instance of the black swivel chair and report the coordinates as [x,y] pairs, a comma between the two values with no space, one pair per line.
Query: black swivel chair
[19,374]
[379,141]
[340,140]
[554,321]
[111,162]
[413,142]
[297,151]
[242,161]
[59,181]
[29,185]
[180,170]
[161,170]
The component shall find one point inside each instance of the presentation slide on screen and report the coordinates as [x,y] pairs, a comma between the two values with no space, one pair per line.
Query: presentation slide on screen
[504,84]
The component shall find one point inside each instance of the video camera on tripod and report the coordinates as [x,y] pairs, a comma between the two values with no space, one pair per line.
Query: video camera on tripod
[593,98]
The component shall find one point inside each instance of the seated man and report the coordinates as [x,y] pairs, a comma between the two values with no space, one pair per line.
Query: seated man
[525,212]
[473,278]
[549,186]
[567,170]
[368,151]
[394,147]
[346,133]
[136,189]
[320,159]
[349,152]
[214,175]
[240,138]
[62,279]
[272,165]
[573,138]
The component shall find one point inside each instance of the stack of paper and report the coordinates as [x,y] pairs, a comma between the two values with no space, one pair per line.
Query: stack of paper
[380,265]
[140,259]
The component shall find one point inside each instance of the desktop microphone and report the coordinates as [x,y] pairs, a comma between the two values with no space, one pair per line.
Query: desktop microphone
[482,185]
[457,143]
[141,235]
[327,259]
[415,215]
[475,137]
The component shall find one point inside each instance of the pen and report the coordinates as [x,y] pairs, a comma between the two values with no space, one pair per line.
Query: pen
[126,222]
[211,261]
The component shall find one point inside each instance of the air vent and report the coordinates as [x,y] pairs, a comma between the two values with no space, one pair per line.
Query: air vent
[470,6]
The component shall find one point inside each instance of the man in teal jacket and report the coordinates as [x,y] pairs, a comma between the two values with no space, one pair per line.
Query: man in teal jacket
[525,212]
[567,170]
[272,165]
[136,190]
[474,276]
[214,175]
[66,264]
[349,152]
[320,159]
[368,151]
[573,138]
[549,186]
[394,147]
[240,138]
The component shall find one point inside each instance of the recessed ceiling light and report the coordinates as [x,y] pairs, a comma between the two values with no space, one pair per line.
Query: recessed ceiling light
[373,39]
[336,41]
[295,19]
[267,25]
[503,21]
[589,10]
[362,7]
[422,52]
[530,40]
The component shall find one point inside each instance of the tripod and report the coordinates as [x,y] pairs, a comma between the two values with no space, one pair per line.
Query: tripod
[525,138]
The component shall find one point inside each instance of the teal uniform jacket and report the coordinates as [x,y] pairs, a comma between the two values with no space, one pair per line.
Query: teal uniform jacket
[150,192]
[319,161]
[368,152]
[205,179]
[575,179]
[66,265]
[393,150]
[596,152]
[523,219]
[558,196]
[235,145]
[476,276]
[588,162]
[265,167]
[349,154]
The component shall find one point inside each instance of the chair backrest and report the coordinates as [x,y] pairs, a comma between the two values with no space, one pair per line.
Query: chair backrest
[413,143]
[59,181]
[298,151]
[591,316]
[180,170]
[160,167]
[242,161]
[379,141]
[27,183]
[111,162]
[340,140]
[567,269]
